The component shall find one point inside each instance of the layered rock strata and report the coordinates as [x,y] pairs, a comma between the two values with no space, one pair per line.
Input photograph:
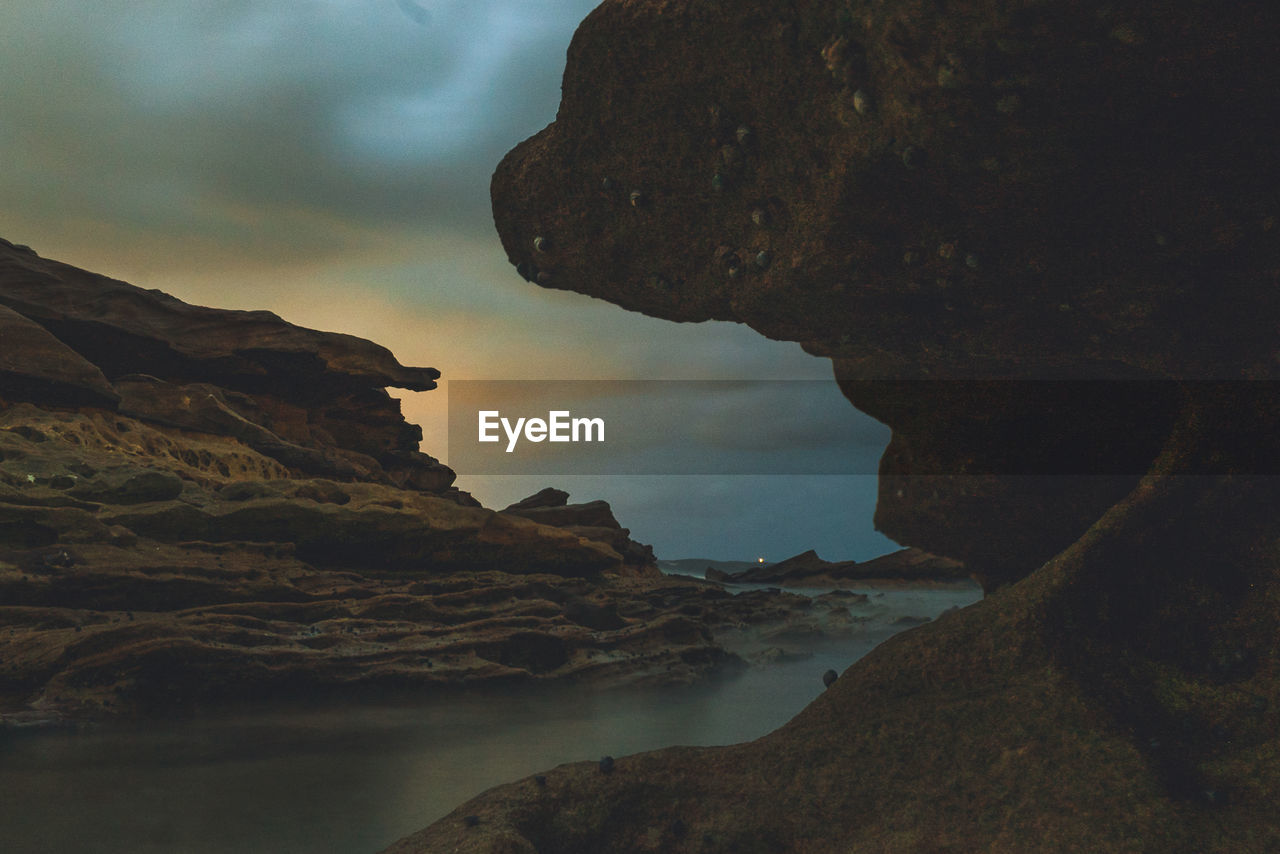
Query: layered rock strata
[314,401]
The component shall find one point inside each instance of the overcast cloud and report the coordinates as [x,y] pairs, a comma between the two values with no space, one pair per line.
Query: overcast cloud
[329,160]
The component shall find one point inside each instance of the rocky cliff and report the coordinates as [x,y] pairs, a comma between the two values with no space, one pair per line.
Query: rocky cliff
[202,507]
[1038,240]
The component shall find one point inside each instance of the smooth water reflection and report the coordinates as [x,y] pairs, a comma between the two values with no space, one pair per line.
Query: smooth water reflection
[353,780]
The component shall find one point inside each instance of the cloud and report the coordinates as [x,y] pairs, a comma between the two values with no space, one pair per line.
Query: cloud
[205,120]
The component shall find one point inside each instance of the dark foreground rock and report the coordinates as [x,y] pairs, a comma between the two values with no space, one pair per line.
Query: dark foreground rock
[202,508]
[1038,241]
[987,192]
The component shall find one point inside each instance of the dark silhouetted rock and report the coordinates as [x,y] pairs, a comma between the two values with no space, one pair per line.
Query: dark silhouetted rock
[1038,240]
[1039,232]
[593,520]
[802,566]
[593,514]
[549,497]
[809,570]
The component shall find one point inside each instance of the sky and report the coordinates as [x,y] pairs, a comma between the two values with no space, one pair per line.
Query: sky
[329,160]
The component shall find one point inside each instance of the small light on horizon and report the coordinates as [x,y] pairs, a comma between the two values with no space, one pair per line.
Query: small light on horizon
[759,560]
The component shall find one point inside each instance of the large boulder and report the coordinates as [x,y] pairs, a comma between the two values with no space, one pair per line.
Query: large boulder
[982,191]
[1038,241]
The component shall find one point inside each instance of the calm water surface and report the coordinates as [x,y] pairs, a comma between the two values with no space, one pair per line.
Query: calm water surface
[353,780]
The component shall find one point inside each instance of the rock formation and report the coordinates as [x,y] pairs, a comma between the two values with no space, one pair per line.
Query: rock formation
[1038,240]
[202,508]
[809,570]
[314,401]
[985,191]
[593,520]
